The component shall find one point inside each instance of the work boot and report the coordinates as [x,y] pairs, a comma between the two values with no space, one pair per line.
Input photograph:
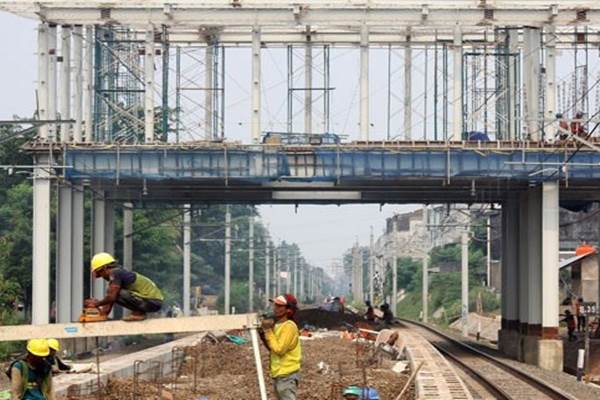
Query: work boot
[135,317]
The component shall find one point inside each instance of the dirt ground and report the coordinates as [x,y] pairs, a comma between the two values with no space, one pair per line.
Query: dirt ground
[226,371]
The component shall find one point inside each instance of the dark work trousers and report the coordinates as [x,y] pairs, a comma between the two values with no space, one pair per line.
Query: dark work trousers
[134,303]
[580,323]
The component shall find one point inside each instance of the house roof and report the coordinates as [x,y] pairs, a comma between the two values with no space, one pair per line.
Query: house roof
[569,261]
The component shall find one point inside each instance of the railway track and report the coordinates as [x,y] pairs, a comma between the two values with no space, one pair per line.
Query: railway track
[499,379]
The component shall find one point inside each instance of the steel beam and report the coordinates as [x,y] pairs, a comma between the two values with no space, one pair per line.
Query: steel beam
[364,83]
[149,85]
[40,303]
[408,89]
[64,254]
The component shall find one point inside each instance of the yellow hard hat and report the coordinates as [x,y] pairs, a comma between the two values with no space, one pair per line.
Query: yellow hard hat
[54,344]
[100,260]
[38,347]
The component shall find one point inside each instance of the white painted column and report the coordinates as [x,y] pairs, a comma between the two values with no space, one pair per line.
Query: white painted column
[64,254]
[531,74]
[267,272]
[534,247]
[464,259]
[227,278]
[149,89]
[457,116]
[77,264]
[308,61]
[550,261]
[98,240]
[187,258]
[88,83]
[42,82]
[251,264]
[256,83]
[40,302]
[364,83]
[408,88]
[77,83]
[52,80]
[208,90]
[65,83]
[425,291]
[523,264]
[550,99]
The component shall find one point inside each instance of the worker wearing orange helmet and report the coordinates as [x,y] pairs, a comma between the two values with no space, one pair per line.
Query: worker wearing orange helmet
[31,377]
[129,289]
[282,337]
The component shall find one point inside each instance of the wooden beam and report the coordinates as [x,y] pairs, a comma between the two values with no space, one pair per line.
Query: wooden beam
[120,328]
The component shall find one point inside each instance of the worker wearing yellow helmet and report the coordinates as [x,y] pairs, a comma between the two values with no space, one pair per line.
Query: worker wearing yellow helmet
[53,359]
[31,377]
[129,289]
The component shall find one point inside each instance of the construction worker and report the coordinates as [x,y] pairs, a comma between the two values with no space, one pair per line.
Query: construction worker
[563,127]
[370,314]
[129,289]
[53,360]
[31,377]
[577,125]
[352,393]
[283,340]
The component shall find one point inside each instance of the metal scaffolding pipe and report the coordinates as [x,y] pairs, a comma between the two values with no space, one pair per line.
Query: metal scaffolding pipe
[42,82]
[256,85]
[408,88]
[550,97]
[65,84]
[464,258]
[149,86]
[267,272]
[308,61]
[227,278]
[88,83]
[209,85]
[457,108]
[52,80]
[295,275]
[395,283]
[77,83]
[364,83]
[425,294]
[40,292]
[63,254]
[77,265]
[187,258]
[251,264]
[371,266]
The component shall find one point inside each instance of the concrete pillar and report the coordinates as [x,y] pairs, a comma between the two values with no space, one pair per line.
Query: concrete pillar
[408,88]
[98,240]
[251,264]
[64,254]
[42,82]
[187,258]
[508,336]
[364,83]
[256,79]
[550,99]
[65,83]
[52,80]
[227,278]
[77,257]
[523,263]
[531,75]
[457,116]
[40,306]
[149,86]
[77,83]
[208,92]
[308,60]
[88,83]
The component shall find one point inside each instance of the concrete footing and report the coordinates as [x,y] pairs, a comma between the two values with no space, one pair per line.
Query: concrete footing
[545,353]
[509,343]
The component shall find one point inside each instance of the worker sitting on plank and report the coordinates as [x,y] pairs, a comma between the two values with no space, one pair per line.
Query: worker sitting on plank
[53,360]
[283,340]
[31,378]
[129,289]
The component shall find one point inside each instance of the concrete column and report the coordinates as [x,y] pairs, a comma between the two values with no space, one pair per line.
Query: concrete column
[52,80]
[408,88]
[64,254]
[208,92]
[267,272]
[88,83]
[364,83]
[40,306]
[42,82]
[457,116]
[65,83]
[308,60]
[77,257]
[425,294]
[227,278]
[550,261]
[531,74]
[187,258]
[77,83]
[550,99]
[523,264]
[128,236]
[98,240]
[534,261]
[256,82]
[251,264]
[149,83]
[508,336]
[464,259]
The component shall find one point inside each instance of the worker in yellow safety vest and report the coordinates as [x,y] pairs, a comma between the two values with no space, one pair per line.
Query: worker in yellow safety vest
[31,377]
[129,289]
[282,337]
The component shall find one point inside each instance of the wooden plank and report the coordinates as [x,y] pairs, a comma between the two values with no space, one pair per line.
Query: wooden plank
[120,328]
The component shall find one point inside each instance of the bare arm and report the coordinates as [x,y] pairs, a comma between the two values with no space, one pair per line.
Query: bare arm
[16,384]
